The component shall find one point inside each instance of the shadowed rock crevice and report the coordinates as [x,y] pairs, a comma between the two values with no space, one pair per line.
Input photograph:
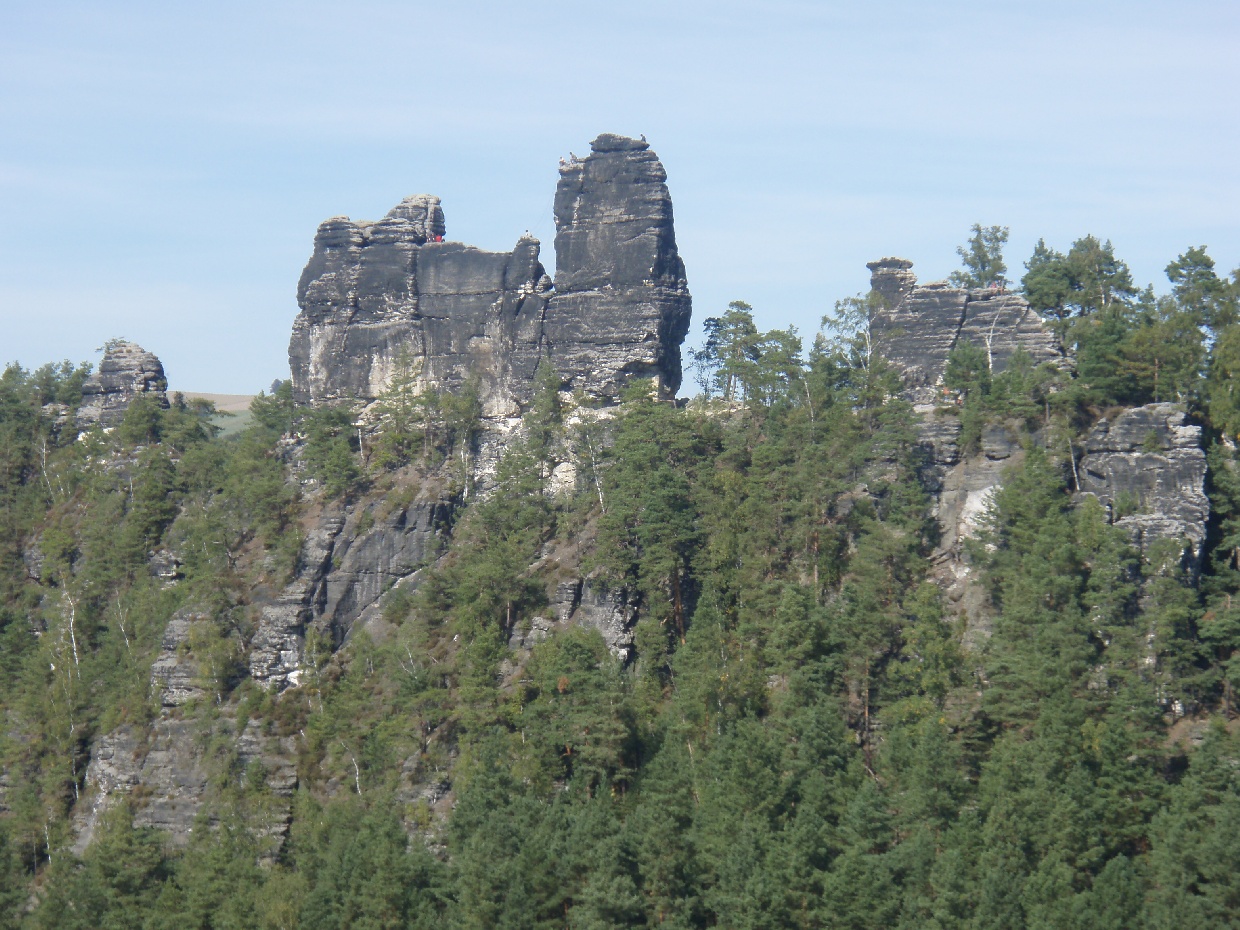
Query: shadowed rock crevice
[376,295]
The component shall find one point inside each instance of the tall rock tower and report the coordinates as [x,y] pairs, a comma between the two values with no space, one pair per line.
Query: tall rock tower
[378,295]
[621,307]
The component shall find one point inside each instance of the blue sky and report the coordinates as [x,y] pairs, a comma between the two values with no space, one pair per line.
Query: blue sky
[163,166]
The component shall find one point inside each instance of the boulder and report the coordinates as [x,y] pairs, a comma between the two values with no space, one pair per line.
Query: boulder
[126,372]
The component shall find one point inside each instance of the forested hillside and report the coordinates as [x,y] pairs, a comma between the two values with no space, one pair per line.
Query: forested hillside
[799,734]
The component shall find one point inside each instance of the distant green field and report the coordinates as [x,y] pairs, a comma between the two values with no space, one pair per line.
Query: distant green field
[231,424]
[236,404]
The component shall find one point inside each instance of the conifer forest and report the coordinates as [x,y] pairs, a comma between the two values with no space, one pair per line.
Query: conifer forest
[803,701]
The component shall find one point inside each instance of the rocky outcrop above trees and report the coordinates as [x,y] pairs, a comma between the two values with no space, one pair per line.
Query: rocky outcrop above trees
[379,296]
[621,305]
[126,372]
[917,326]
[1146,465]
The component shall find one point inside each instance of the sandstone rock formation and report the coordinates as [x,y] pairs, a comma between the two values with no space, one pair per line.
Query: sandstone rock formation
[621,306]
[166,760]
[588,603]
[174,673]
[347,563]
[920,324]
[915,329]
[379,295]
[276,649]
[1146,465]
[165,768]
[127,371]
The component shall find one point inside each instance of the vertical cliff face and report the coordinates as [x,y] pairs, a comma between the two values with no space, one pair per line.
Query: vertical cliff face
[919,325]
[915,329]
[375,296]
[126,372]
[621,306]
[1147,467]
[378,295]
[1145,464]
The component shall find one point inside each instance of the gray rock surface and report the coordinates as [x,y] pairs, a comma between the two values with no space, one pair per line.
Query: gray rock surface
[621,306]
[1146,465]
[589,603]
[166,761]
[276,649]
[378,295]
[369,563]
[174,674]
[611,611]
[127,371]
[343,571]
[915,328]
[920,324]
[165,768]
[274,756]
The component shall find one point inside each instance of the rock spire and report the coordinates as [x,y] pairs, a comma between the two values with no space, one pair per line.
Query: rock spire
[378,295]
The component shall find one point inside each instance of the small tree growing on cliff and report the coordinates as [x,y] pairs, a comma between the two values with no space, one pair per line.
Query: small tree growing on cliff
[982,258]
[401,414]
[725,362]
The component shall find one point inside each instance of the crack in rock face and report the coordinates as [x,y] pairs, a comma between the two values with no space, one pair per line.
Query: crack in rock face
[126,372]
[919,325]
[376,296]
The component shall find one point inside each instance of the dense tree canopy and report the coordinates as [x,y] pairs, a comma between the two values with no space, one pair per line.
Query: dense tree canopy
[805,736]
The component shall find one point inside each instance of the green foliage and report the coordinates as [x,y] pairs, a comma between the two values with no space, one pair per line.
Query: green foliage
[729,352]
[332,448]
[359,870]
[982,258]
[1089,279]
[809,731]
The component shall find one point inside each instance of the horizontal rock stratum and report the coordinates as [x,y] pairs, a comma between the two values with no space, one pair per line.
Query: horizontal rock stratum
[376,296]
[126,372]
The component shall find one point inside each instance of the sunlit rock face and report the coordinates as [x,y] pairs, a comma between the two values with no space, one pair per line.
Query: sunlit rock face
[126,372]
[1144,464]
[919,325]
[1147,467]
[915,328]
[379,296]
[621,306]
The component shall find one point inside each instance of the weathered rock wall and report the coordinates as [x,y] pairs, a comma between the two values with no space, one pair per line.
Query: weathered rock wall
[126,372]
[1145,464]
[621,306]
[377,295]
[1147,467]
[166,769]
[347,563]
[919,325]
